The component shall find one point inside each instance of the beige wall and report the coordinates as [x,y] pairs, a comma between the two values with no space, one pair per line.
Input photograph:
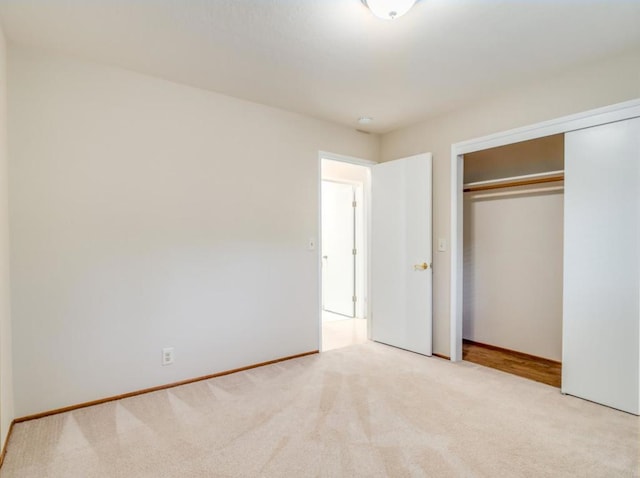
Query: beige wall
[6,380]
[147,214]
[591,86]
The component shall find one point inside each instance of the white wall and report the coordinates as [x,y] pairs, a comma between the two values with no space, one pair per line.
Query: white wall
[513,240]
[590,86]
[147,214]
[6,377]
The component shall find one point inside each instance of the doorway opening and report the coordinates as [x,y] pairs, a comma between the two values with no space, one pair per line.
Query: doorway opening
[513,258]
[344,188]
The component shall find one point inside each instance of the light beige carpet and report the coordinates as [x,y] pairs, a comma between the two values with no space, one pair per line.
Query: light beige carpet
[362,411]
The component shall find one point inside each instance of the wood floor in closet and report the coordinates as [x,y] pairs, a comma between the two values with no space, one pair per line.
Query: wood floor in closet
[517,363]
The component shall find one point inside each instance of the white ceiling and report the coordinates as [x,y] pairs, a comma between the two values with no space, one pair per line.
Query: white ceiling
[332,59]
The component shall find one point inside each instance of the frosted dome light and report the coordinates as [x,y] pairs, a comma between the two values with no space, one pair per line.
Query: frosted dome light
[389,9]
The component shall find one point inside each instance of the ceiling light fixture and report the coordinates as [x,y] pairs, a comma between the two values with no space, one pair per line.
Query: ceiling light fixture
[389,9]
[365,120]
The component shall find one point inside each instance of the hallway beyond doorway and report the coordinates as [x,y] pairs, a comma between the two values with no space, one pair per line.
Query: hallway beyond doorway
[339,332]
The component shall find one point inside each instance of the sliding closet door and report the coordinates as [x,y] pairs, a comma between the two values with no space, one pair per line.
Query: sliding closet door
[602,265]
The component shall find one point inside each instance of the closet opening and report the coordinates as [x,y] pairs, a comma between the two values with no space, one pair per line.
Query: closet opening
[513,205]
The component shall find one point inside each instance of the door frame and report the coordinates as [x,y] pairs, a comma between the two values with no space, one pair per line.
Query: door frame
[367,230]
[565,124]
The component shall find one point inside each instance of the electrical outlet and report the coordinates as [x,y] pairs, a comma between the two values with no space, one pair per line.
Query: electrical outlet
[167,356]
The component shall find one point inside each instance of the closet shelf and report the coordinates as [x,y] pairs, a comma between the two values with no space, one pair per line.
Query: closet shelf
[549,177]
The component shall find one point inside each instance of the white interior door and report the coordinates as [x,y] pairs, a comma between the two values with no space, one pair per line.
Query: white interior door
[338,244]
[401,274]
[602,265]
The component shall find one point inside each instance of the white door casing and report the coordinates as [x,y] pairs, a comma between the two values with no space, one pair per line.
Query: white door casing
[401,288]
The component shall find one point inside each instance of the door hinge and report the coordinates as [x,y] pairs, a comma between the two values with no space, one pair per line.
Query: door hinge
[354,203]
[355,251]
[355,299]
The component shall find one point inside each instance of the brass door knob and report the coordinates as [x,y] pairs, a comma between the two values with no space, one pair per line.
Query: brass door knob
[421,267]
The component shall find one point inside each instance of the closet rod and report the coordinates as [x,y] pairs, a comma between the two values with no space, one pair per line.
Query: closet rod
[549,177]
